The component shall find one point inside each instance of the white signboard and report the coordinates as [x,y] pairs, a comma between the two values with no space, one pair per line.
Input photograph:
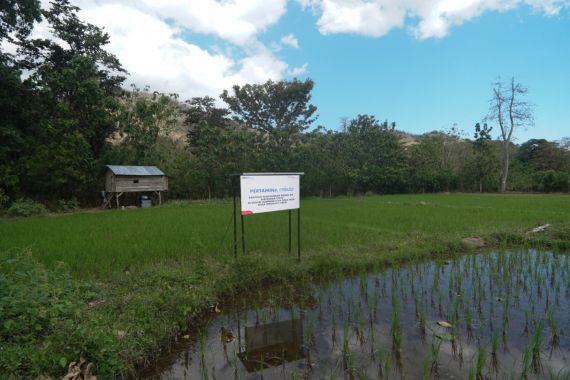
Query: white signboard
[265,193]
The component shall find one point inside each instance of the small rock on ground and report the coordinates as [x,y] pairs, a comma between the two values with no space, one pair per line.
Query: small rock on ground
[473,242]
[539,229]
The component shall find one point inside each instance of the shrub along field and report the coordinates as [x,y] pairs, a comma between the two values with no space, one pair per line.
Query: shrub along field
[118,286]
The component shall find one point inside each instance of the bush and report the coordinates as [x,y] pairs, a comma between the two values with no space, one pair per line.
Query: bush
[552,181]
[25,208]
[67,205]
[41,309]
[4,198]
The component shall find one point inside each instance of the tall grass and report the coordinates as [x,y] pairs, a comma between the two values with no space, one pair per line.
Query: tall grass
[148,272]
[99,244]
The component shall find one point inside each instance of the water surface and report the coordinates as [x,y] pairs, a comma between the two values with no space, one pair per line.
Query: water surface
[493,315]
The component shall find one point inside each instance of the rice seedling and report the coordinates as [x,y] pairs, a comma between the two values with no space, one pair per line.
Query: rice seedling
[535,347]
[561,374]
[435,348]
[526,363]
[380,360]
[426,368]
[471,375]
[387,366]
[202,336]
[235,362]
[481,362]
[553,326]
[396,328]
[349,364]
[422,323]
[494,352]
[382,339]
[345,344]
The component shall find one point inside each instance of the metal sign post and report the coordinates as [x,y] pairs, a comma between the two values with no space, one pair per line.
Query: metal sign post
[234,216]
[267,192]
[289,212]
[299,234]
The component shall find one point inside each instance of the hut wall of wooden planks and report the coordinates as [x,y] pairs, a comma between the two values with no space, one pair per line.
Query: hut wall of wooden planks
[121,179]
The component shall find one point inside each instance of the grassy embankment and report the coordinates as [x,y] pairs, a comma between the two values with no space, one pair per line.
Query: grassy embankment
[117,285]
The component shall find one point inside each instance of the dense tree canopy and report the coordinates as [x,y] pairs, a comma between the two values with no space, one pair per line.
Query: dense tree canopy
[58,118]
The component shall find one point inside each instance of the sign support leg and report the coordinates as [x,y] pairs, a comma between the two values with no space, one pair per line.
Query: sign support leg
[289,231]
[234,218]
[299,234]
[242,236]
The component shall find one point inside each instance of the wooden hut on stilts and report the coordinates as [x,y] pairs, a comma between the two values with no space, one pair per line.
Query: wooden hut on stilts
[120,179]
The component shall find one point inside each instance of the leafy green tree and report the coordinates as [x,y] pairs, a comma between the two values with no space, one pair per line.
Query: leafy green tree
[273,106]
[202,113]
[436,162]
[17,19]
[376,158]
[16,22]
[323,158]
[218,146]
[141,118]
[483,162]
[540,154]
[14,99]
[550,181]
[61,115]
[279,112]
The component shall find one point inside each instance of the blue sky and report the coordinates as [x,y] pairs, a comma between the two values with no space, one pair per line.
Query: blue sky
[433,84]
[425,64]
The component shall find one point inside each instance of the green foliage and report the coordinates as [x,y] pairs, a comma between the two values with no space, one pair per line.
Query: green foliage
[550,181]
[436,162]
[54,124]
[17,19]
[26,208]
[142,118]
[276,113]
[217,146]
[542,155]
[4,199]
[374,158]
[114,281]
[282,107]
[67,205]
[100,244]
[483,165]
[34,303]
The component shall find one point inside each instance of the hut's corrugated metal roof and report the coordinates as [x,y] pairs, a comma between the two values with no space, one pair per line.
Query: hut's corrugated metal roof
[135,170]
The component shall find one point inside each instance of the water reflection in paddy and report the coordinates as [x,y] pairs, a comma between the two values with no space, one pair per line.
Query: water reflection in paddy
[495,315]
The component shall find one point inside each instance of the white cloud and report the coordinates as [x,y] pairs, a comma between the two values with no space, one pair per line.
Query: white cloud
[8,47]
[259,67]
[434,17]
[237,21]
[359,16]
[290,40]
[296,71]
[147,37]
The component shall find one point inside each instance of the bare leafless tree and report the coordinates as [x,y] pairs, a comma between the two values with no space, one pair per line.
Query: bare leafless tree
[508,108]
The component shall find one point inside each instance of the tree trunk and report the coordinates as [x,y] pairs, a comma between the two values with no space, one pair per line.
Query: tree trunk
[505,173]
[480,185]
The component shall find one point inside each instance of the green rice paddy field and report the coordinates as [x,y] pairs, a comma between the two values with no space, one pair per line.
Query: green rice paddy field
[118,286]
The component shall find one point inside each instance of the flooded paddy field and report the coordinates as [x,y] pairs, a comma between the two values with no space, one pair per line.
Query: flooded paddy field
[496,315]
